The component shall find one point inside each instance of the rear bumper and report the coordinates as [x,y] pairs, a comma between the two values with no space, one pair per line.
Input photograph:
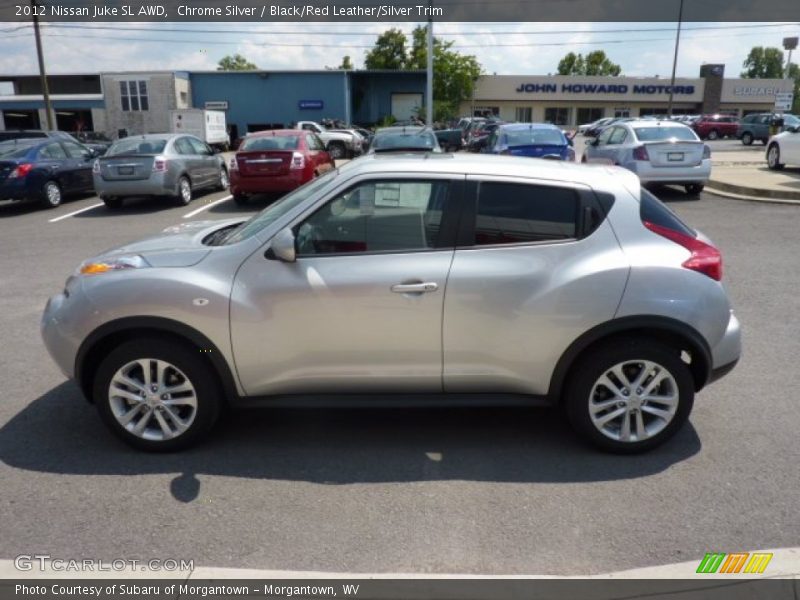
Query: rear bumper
[156,185]
[649,174]
[267,183]
[727,351]
[14,190]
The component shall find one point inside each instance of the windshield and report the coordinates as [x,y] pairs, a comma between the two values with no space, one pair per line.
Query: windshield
[528,137]
[276,210]
[284,142]
[137,146]
[655,134]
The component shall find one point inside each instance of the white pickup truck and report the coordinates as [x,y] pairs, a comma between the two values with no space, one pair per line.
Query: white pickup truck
[339,143]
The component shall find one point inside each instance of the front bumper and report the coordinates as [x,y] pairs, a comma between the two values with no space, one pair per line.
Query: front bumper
[55,331]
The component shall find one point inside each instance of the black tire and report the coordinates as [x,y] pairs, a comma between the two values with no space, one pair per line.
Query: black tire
[337,150]
[747,138]
[224,181]
[694,189]
[51,194]
[113,202]
[586,373]
[181,196]
[774,158]
[241,199]
[189,362]
[713,134]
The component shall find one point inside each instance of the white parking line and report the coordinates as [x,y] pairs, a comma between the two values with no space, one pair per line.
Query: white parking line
[206,207]
[75,212]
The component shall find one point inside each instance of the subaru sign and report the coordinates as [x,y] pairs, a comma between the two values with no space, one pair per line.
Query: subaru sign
[311,104]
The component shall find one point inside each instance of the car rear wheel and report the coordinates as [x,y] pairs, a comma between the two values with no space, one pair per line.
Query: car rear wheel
[184,195]
[241,199]
[156,395]
[113,202]
[337,150]
[713,134]
[747,138]
[694,189]
[630,396]
[51,194]
[774,158]
[224,182]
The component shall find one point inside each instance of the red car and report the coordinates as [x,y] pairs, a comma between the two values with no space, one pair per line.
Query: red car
[276,161]
[712,127]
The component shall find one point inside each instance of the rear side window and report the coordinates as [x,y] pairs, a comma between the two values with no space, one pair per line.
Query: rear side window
[654,211]
[511,213]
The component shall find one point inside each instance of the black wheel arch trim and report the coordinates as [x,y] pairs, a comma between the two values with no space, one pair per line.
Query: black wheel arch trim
[156,325]
[633,324]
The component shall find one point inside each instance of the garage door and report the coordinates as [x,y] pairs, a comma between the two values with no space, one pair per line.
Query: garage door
[405,106]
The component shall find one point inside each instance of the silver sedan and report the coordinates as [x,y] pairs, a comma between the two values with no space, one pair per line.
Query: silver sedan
[171,166]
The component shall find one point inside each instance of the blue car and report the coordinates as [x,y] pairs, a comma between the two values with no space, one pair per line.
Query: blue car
[536,140]
[44,170]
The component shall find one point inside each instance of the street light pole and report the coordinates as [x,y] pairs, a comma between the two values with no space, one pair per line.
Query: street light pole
[45,91]
[675,59]
[429,77]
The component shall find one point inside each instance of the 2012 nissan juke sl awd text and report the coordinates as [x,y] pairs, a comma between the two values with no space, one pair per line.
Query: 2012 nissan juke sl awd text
[509,280]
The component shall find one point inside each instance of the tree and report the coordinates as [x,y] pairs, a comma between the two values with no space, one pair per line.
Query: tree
[454,73]
[237,62]
[389,51]
[347,64]
[595,63]
[763,63]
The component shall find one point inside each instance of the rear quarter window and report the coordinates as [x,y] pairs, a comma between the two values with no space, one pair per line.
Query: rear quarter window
[652,210]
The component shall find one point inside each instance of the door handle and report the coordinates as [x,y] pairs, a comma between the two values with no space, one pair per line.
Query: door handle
[415,288]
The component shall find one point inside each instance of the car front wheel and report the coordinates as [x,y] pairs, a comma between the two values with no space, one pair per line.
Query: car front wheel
[774,158]
[156,395]
[630,396]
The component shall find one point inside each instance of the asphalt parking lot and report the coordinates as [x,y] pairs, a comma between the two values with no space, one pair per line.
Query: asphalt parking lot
[454,491]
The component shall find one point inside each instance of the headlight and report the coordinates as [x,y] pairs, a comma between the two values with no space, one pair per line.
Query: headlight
[115,263]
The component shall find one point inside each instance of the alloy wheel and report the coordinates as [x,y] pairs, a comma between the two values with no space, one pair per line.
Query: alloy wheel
[52,193]
[152,399]
[633,401]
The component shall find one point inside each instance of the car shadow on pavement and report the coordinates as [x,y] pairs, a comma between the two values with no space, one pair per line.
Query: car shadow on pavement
[12,208]
[61,433]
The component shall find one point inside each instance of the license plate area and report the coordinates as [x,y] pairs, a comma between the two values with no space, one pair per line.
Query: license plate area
[675,156]
[125,170]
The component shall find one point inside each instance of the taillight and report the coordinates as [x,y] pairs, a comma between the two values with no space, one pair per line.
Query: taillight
[706,151]
[234,166]
[96,167]
[705,258]
[640,153]
[159,164]
[298,161]
[21,171]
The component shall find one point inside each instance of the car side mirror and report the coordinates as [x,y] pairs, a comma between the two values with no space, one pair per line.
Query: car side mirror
[282,247]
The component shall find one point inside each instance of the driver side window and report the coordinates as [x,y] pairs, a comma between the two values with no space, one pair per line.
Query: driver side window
[376,216]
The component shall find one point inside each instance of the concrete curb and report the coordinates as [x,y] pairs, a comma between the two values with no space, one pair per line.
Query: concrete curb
[755,193]
[785,564]
[734,192]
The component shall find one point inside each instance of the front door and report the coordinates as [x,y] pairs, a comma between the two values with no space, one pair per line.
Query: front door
[361,308]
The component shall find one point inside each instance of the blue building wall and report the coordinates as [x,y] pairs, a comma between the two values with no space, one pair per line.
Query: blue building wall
[268,98]
[371,92]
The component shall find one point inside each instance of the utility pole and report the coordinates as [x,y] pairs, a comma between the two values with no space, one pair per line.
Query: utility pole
[429,77]
[675,59]
[45,91]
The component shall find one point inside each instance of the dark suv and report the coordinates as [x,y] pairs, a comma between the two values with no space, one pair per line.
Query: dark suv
[757,126]
[712,127]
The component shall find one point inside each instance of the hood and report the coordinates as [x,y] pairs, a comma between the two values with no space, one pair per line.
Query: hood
[176,246]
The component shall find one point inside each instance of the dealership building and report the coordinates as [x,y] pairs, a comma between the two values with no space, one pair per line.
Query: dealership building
[134,102]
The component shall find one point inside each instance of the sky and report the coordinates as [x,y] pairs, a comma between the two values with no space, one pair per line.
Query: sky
[641,49]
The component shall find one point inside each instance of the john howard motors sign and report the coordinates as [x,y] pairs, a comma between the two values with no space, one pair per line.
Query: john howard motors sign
[584,89]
